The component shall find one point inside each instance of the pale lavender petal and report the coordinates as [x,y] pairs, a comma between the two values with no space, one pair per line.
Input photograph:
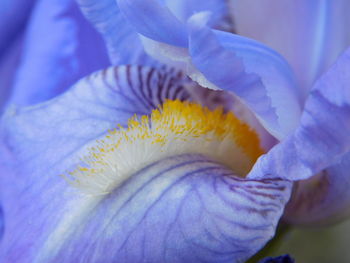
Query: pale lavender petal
[323,136]
[154,20]
[310,34]
[51,62]
[220,15]
[250,70]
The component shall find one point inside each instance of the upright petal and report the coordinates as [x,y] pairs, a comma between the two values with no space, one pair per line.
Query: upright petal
[253,72]
[323,136]
[310,34]
[123,43]
[52,63]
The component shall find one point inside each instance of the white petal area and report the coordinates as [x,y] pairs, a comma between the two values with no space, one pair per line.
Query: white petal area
[309,34]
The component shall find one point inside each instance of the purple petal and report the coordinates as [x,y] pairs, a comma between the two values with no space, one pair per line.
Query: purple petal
[253,72]
[123,43]
[1,223]
[323,136]
[154,21]
[181,209]
[8,64]
[52,62]
[11,28]
[310,34]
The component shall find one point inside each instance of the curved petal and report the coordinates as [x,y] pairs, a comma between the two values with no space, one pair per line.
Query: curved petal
[323,136]
[233,218]
[123,43]
[255,73]
[310,34]
[51,64]
[323,199]
[155,21]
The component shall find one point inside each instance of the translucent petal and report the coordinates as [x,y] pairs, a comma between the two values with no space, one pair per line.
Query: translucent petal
[310,34]
[323,136]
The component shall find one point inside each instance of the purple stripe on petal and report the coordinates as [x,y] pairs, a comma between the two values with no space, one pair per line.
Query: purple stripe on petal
[180,209]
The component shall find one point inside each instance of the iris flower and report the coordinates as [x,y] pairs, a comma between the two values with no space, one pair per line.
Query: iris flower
[186,150]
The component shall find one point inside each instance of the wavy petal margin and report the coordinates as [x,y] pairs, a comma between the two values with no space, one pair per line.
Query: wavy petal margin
[259,76]
[256,74]
[323,136]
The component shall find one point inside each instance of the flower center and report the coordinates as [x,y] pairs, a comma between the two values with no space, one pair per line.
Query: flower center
[174,128]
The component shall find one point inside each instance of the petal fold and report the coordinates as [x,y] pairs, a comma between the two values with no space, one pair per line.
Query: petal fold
[123,43]
[323,136]
[154,20]
[253,72]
